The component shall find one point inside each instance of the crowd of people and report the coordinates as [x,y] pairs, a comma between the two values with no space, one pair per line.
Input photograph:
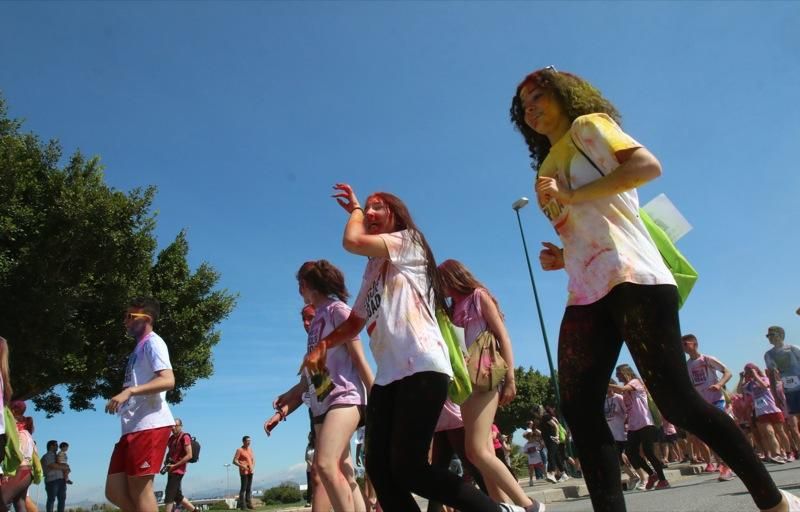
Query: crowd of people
[619,291]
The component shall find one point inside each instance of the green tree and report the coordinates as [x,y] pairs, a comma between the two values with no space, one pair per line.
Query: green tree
[532,388]
[286,492]
[73,251]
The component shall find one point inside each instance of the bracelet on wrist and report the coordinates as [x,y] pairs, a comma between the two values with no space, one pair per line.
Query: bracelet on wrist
[356,208]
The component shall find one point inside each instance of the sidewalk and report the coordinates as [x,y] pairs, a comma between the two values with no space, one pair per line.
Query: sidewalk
[547,492]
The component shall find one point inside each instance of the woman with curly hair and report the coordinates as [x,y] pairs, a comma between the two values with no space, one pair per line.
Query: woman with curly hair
[337,396]
[399,294]
[620,290]
[475,309]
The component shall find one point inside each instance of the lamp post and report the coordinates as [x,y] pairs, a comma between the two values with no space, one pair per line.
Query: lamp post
[227,480]
[520,203]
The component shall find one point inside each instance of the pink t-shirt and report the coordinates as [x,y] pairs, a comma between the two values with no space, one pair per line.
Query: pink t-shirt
[615,416]
[450,417]
[347,386]
[703,372]
[763,401]
[467,314]
[636,406]
[496,437]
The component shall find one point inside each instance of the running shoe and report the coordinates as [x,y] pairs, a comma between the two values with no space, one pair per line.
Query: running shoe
[551,478]
[662,484]
[564,477]
[633,482]
[641,487]
[725,474]
[651,481]
[775,460]
[537,506]
[794,501]
[710,468]
[790,457]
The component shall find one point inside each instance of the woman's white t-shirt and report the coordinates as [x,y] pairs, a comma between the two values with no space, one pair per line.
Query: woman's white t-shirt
[394,299]
[605,241]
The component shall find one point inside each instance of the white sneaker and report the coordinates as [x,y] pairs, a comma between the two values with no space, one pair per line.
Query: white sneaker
[551,478]
[537,506]
[794,501]
[508,507]
[564,477]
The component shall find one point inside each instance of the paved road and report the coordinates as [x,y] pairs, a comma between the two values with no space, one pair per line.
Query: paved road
[701,493]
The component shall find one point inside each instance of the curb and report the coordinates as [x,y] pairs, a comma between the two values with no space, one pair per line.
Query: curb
[578,489]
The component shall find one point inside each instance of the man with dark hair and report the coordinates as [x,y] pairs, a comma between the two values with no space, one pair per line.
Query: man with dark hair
[55,484]
[703,370]
[144,414]
[179,452]
[785,359]
[246,462]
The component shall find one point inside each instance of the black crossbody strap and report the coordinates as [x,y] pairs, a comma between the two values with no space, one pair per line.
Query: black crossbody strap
[575,143]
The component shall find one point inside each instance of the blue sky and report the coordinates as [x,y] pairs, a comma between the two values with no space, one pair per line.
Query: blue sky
[245,114]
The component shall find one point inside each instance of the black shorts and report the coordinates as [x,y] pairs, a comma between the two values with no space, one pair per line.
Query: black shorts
[319,420]
[173,494]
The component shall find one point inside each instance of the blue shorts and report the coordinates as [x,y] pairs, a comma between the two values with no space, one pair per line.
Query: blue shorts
[793,402]
[719,404]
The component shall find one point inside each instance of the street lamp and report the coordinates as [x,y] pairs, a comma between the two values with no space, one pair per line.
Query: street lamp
[520,203]
[228,480]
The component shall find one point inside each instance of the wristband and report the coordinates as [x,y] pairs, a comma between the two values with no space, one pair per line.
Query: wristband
[357,208]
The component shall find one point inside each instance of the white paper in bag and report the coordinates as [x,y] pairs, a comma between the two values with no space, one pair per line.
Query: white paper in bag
[667,217]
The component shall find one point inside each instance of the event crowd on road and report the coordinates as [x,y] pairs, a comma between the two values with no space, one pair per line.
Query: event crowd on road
[429,397]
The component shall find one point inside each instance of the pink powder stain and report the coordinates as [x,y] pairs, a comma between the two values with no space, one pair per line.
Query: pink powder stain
[595,256]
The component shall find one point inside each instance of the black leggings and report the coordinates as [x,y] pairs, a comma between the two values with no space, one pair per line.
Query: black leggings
[401,418]
[646,318]
[644,438]
[554,460]
[445,444]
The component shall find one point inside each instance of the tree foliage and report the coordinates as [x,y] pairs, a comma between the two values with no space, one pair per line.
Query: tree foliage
[532,388]
[286,492]
[73,251]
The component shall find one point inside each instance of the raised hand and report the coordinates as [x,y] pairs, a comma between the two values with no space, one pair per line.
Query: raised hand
[346,197]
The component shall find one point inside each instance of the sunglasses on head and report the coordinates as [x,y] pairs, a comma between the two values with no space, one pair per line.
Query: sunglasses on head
[134,316]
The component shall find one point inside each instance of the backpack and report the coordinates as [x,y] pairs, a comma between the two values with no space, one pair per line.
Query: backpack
[195,450]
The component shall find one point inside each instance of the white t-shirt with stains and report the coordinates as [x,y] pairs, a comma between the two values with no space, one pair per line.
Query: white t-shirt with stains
[403,334]
[605,241]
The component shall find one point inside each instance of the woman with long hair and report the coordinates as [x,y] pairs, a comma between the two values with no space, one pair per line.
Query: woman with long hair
[475,309]
[337,395]
[399,295]
[786,431]
[769,418]
[620,290]
[642,432]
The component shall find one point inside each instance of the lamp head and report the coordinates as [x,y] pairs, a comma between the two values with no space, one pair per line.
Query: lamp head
[522,202]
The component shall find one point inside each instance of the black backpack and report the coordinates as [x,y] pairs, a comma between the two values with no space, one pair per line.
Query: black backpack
[195,448]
